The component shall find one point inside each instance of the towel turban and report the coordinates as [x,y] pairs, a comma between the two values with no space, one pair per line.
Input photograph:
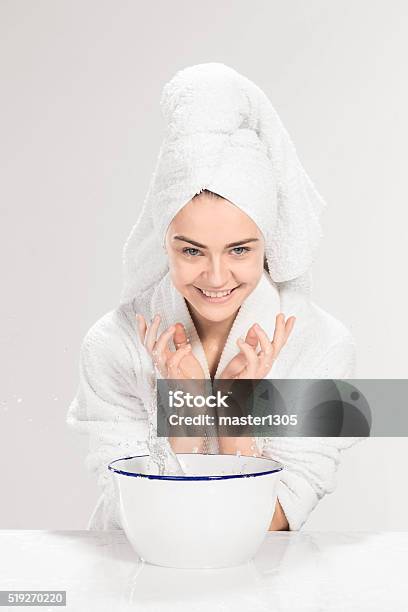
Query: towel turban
[223,134]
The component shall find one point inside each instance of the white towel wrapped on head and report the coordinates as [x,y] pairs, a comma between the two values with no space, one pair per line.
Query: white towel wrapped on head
[223,134]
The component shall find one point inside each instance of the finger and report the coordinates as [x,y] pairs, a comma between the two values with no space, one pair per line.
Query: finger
[290,323]
[251,357]
[266,354]
[141,327]
[252,337]
[161,348]
[151,334]
[180,337]
[173,362]
[279,334]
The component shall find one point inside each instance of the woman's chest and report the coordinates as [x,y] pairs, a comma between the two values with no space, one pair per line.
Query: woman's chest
[212,351]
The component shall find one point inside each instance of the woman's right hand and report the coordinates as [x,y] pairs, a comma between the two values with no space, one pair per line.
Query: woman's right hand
[179,364]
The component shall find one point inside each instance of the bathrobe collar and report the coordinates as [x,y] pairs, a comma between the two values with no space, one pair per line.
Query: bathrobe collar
[261,306]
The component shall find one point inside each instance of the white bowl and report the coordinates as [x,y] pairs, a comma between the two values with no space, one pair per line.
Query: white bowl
[216,516]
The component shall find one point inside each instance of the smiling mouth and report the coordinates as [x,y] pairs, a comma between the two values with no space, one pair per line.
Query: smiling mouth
[216,294]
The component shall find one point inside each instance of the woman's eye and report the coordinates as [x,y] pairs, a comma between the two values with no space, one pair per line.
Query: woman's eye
[192,252]
[188,249]
[243,250]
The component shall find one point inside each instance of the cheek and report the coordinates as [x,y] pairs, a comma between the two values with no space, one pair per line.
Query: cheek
[251,269]
[181,271]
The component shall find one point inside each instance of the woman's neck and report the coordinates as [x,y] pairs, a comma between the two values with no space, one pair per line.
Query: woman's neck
[216,331]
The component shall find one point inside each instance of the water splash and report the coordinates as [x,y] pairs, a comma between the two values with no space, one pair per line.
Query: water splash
[162,459]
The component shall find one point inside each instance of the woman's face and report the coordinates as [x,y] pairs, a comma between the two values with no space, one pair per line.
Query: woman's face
[213,246]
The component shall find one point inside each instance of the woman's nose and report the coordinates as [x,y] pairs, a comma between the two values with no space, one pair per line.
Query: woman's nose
[217,274]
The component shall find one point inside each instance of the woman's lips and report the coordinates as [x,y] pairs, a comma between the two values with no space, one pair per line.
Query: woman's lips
[216,300]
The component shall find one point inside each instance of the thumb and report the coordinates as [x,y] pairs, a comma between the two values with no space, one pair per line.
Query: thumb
[180,335]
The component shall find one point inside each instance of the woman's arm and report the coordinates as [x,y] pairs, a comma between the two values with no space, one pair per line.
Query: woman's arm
[311,463]
[106,407]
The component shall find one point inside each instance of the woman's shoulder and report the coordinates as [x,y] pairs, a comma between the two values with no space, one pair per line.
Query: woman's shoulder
[329,327]
[313,323]
[113,334]
[320,346]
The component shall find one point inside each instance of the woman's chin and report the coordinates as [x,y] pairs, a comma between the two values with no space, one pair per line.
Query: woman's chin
[220,314]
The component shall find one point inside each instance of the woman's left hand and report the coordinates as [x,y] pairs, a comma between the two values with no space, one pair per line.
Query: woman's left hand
[250,364]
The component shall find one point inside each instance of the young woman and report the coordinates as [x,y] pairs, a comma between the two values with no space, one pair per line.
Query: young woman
[215,273]
[219,257]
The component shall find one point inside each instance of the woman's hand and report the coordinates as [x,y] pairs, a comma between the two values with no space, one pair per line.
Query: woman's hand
[250,364]
[178,364]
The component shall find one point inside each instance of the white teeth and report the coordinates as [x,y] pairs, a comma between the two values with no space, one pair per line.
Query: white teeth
[216,294]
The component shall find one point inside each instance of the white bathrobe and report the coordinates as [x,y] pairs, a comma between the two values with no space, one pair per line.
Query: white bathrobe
[117,379]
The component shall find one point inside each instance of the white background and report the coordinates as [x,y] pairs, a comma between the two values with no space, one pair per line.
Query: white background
[80,133]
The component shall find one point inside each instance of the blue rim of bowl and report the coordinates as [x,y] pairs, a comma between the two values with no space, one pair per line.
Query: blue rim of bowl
[186,478]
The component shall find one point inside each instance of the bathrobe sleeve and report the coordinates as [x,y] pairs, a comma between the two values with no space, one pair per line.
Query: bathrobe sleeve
[311,463]
[108,408]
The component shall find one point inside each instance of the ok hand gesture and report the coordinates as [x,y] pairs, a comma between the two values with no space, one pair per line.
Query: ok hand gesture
[178,364]
[251,364]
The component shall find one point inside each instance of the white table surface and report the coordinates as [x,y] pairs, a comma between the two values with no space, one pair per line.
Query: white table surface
[292,571]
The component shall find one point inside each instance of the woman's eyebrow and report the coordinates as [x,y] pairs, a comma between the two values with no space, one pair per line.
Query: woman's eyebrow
[231,244]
